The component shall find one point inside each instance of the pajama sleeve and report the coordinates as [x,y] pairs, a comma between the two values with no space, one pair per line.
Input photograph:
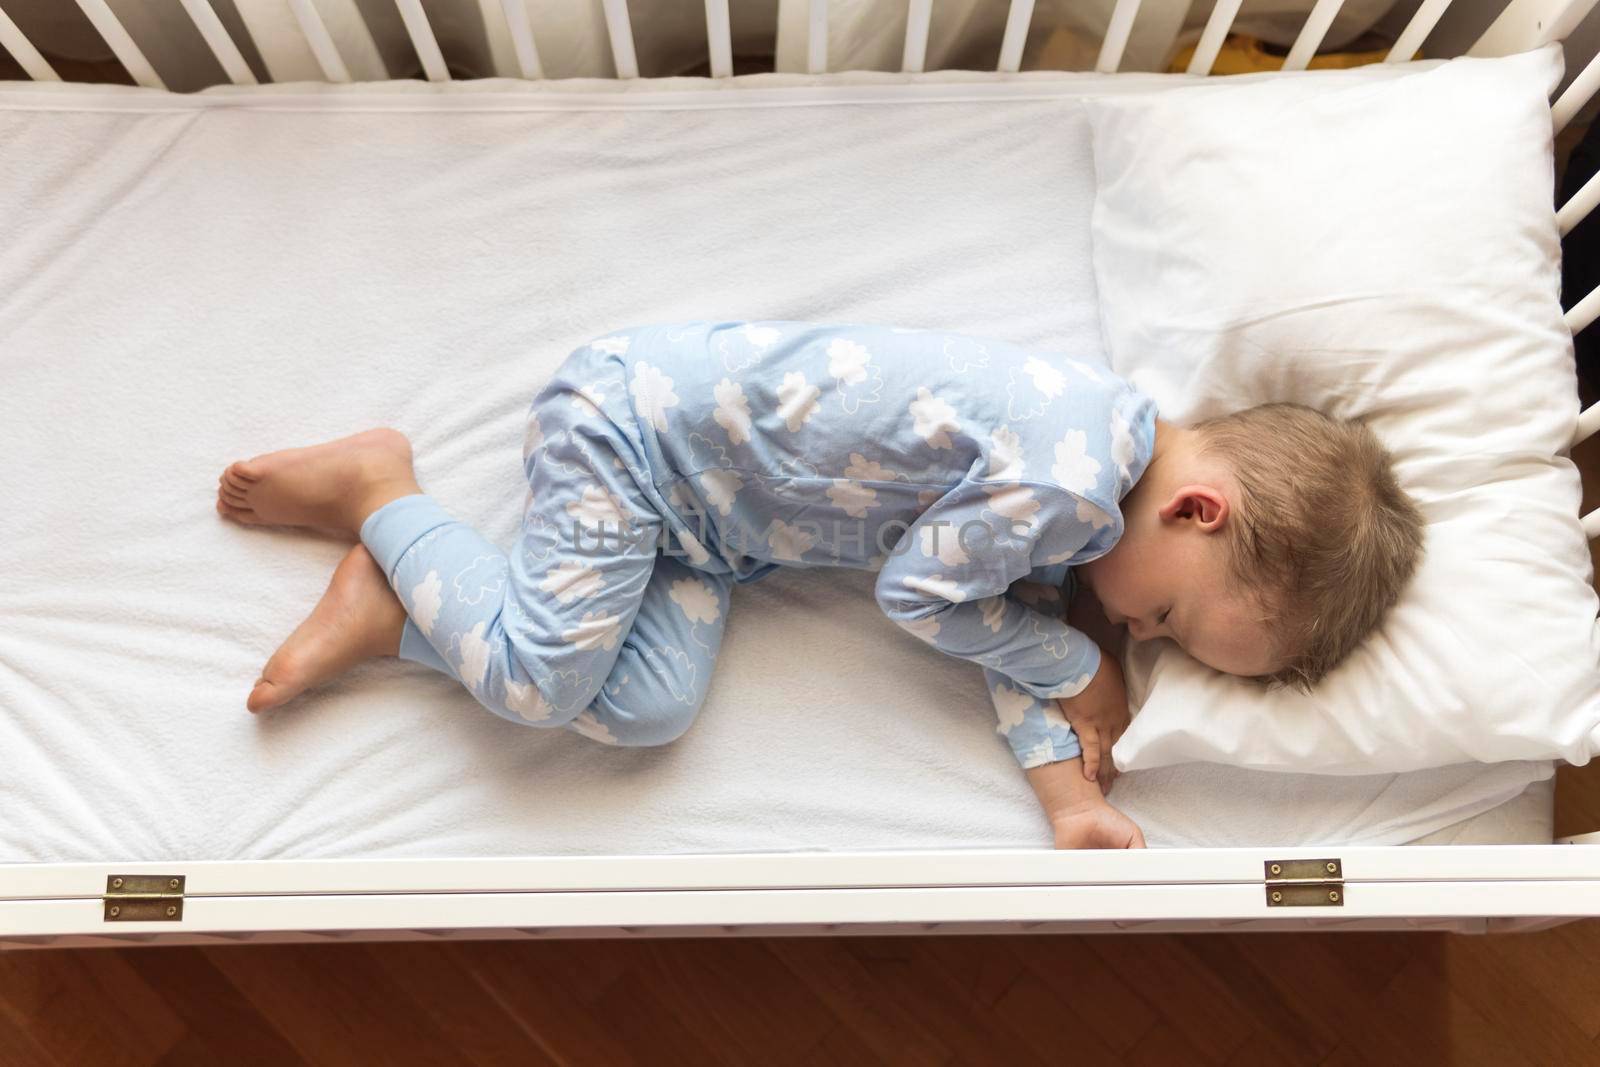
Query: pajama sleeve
[949,581]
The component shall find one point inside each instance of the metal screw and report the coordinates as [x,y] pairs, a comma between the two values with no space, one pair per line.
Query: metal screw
[116,883]
[1277,897]
[1333,896]
[115,911]
[1333,868]
[1277,868]
[172,883]
[172,909]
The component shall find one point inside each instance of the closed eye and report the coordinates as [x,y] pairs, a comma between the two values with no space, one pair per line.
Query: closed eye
[1163,617]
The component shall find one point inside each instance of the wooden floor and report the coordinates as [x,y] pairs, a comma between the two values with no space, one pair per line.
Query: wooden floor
[1417,999]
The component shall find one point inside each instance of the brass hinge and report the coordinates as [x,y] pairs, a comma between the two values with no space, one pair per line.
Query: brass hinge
[144,898]
[1305,883]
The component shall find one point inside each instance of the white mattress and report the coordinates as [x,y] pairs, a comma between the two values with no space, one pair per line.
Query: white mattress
[185,281]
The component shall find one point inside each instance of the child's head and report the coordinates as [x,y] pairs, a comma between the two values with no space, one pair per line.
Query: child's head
[1268,543]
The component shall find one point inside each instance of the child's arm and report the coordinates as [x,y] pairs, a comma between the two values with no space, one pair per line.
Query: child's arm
[1047,748]
[1078,812]
[954,594]
[1099,714]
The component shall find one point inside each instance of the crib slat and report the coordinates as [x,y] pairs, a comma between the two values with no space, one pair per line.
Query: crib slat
[253,35]
[620,30]
[1577,209]
[22,50]
[122,46]
[1117,31]
[423,40]
[1416,31]
[915,57]
[1211,38]
[1591,524]
[1584,311]
[719,38]
[1018,20]
[516,13]
[217,39]
[817,38]
[1578,93]
[1526,24]
[1311,35]
[1588,423]
[320,41]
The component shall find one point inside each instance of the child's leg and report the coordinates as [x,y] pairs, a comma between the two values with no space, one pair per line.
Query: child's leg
[532,634]
[357,619]
[663,671]
[545,635]
[663,668]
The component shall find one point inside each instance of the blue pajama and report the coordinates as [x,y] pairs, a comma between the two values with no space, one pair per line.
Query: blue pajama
[667,462]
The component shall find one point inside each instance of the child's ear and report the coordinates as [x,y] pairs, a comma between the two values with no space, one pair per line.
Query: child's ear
[1204,505]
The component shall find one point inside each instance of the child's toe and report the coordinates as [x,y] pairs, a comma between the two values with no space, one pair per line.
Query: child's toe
[237,514]
[265,695]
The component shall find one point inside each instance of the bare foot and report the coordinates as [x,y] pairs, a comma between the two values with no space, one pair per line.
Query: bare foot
[358,618]
[331,486]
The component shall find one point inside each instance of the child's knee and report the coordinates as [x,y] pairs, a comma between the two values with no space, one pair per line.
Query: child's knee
[636,716]
[528,704]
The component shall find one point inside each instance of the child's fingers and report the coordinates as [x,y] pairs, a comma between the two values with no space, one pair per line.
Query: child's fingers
[1108,775]
[1089,741]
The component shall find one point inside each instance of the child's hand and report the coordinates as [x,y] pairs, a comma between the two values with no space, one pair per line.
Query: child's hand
[1098,716]
[1096,826]
[1078,811]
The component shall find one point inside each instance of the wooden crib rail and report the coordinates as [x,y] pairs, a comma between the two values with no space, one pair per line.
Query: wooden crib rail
[319,40]
[784,894]
[217,39]
[423,40]
[1216,31]
[27,56]
[122,45]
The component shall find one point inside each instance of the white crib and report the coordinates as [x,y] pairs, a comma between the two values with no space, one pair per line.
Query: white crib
[1463,888]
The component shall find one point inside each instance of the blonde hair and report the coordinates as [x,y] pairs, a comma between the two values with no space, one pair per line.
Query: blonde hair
[1322,535]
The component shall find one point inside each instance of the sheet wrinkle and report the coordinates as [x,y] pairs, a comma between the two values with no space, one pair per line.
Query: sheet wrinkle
[94,217]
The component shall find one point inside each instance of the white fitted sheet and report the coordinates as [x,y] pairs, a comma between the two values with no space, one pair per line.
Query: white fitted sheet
[189,280]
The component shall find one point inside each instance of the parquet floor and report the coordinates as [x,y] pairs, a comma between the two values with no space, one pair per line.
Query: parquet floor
[1418,999]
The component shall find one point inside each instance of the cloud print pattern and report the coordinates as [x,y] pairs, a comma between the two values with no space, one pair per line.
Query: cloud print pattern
[667,462]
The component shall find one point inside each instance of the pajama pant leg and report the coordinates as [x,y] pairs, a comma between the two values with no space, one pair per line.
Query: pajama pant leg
[582,625]
[662,673]
[663,669]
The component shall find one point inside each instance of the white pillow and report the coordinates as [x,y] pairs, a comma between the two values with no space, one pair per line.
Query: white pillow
[1382,249]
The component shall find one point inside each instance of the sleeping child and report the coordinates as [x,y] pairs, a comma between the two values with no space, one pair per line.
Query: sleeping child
[983,482]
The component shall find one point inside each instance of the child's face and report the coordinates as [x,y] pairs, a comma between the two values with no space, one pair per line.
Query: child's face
[1169,579]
